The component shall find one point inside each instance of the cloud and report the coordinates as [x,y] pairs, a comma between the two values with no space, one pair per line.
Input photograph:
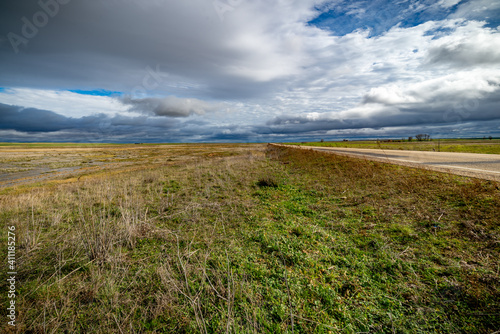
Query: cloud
[31,120]
[170,106]
[65,103]
[470,97]
[377,17]
[475,84]
[470,46]
[448,3]
[110,45]
[38,121]
[258,70]
[481,10]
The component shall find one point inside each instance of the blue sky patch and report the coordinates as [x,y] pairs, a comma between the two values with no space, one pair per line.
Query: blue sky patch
[493,22]
[378,16]
[439,32]
[95,92]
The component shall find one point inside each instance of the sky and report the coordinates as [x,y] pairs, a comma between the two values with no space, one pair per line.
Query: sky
[248,71]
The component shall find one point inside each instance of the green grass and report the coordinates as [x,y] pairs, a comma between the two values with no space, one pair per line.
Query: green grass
[274,241]
[485,146]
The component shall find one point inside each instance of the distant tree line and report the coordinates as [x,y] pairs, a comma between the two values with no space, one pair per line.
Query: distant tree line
[426,137]
[423,137]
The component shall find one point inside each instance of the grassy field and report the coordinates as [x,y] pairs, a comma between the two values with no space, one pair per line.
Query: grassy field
[444,145]
[255,239]
[28,163]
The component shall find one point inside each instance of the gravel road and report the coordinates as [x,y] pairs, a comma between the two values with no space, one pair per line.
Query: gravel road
[484,166]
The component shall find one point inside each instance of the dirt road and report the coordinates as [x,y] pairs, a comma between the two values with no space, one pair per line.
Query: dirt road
[484,166]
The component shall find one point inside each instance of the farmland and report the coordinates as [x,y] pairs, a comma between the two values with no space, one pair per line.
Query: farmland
[245,238]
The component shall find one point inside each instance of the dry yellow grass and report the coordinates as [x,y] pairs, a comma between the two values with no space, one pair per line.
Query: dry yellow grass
[24,166]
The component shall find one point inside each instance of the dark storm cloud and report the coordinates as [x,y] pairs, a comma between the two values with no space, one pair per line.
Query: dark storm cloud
[113,44]
[170,106]
[36,120]
[32,120]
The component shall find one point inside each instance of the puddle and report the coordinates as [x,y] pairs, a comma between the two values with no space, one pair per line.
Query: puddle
[35,175]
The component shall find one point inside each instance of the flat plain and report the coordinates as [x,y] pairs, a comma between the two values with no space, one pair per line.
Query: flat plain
[35,163]
[245,238]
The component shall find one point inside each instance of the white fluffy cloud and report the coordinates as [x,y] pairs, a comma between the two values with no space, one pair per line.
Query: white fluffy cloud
[65,103]
[470,46]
